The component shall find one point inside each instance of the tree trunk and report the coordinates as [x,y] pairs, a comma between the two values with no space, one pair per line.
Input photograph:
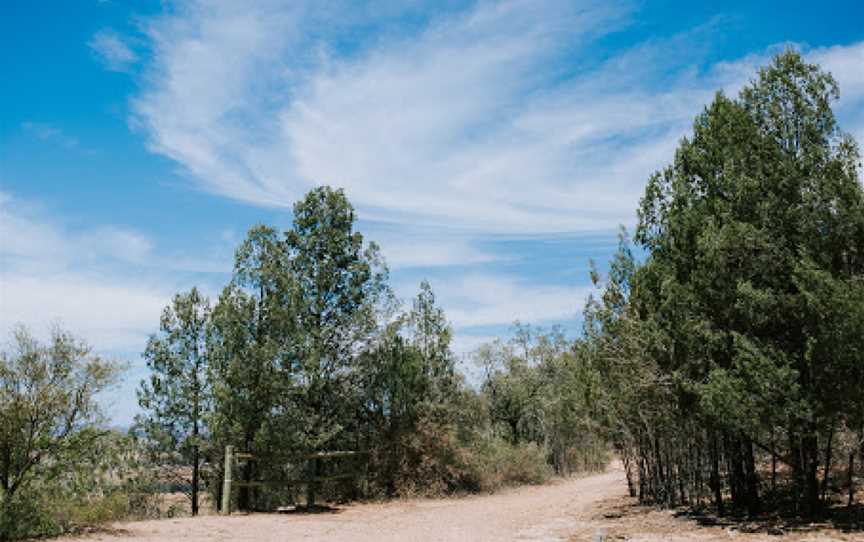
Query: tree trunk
[826,476]
[196,462]
[850,478]
[735,471]
[715,477]
[514,430]
[753,503]
[773,464]
[810,456]
[628,469]
[795,453]
[642,476]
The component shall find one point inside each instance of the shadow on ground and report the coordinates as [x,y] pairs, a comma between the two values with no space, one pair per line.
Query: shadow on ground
[841,518]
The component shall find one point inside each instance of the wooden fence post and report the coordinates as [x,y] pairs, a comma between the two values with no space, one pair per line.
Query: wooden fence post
[227,479]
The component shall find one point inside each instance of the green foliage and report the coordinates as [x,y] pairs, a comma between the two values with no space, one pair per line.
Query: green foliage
[109,480]
[307,350]
[742,329]
[498,463]
[285,335]
[543,389]
[412,403]
[48,419]
[176,398]
[736,341]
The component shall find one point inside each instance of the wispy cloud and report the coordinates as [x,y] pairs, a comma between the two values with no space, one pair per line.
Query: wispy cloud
[50,133]
[51,274]
[112,50]
[483,300]
[414,128]
[847,65]
[488,119]
[421,248]
[106,283]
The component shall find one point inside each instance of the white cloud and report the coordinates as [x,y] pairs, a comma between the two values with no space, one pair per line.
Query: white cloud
[409,249]
[477,300]
[247,111]
[49,274]
[114,52]
[847,65]
[31,240]
[109,315]
[473,121]
[464,344]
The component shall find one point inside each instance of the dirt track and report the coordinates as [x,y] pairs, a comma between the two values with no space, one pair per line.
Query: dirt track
[551,512]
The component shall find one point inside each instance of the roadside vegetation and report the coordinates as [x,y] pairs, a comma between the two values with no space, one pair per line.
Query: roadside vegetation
[721,357]
[732,355]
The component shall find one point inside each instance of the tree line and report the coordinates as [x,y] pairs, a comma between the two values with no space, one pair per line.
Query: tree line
[308,350]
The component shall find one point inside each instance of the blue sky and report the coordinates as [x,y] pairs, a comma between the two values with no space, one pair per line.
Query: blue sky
[490,147]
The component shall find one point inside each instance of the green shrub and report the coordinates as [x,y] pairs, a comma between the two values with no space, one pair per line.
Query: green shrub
[43,511]
[108,483]
[498,463]
[106,509]
[24,517]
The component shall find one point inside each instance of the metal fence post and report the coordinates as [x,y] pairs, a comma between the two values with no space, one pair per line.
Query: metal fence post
[227,480]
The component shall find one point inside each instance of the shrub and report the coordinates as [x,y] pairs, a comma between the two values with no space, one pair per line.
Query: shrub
[498,463]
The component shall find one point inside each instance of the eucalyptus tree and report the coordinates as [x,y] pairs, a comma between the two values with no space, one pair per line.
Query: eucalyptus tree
[176,397]
[512,388]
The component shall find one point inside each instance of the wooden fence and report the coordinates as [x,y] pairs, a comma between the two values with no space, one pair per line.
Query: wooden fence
[311,481]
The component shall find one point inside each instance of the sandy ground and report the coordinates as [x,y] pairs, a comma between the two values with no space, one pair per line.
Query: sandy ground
[539,513]
[590,509]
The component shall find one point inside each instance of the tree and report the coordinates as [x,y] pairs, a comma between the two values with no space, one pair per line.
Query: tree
[176,397]
[48,412]
[339,281]
[409,393]
[759,217]
[430,332]
[252,342]
[285,334]
[513,388]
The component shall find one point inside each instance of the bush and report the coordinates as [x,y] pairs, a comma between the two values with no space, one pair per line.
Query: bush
[498,463]
[107,483]
[23,517]
[50,512]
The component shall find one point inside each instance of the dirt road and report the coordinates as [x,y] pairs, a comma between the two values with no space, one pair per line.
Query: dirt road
[556,511]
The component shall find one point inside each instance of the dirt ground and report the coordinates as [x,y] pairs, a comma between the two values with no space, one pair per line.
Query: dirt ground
[621,518]
[587,509]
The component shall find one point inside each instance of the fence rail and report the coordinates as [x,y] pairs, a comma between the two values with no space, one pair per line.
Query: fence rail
[311,481]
